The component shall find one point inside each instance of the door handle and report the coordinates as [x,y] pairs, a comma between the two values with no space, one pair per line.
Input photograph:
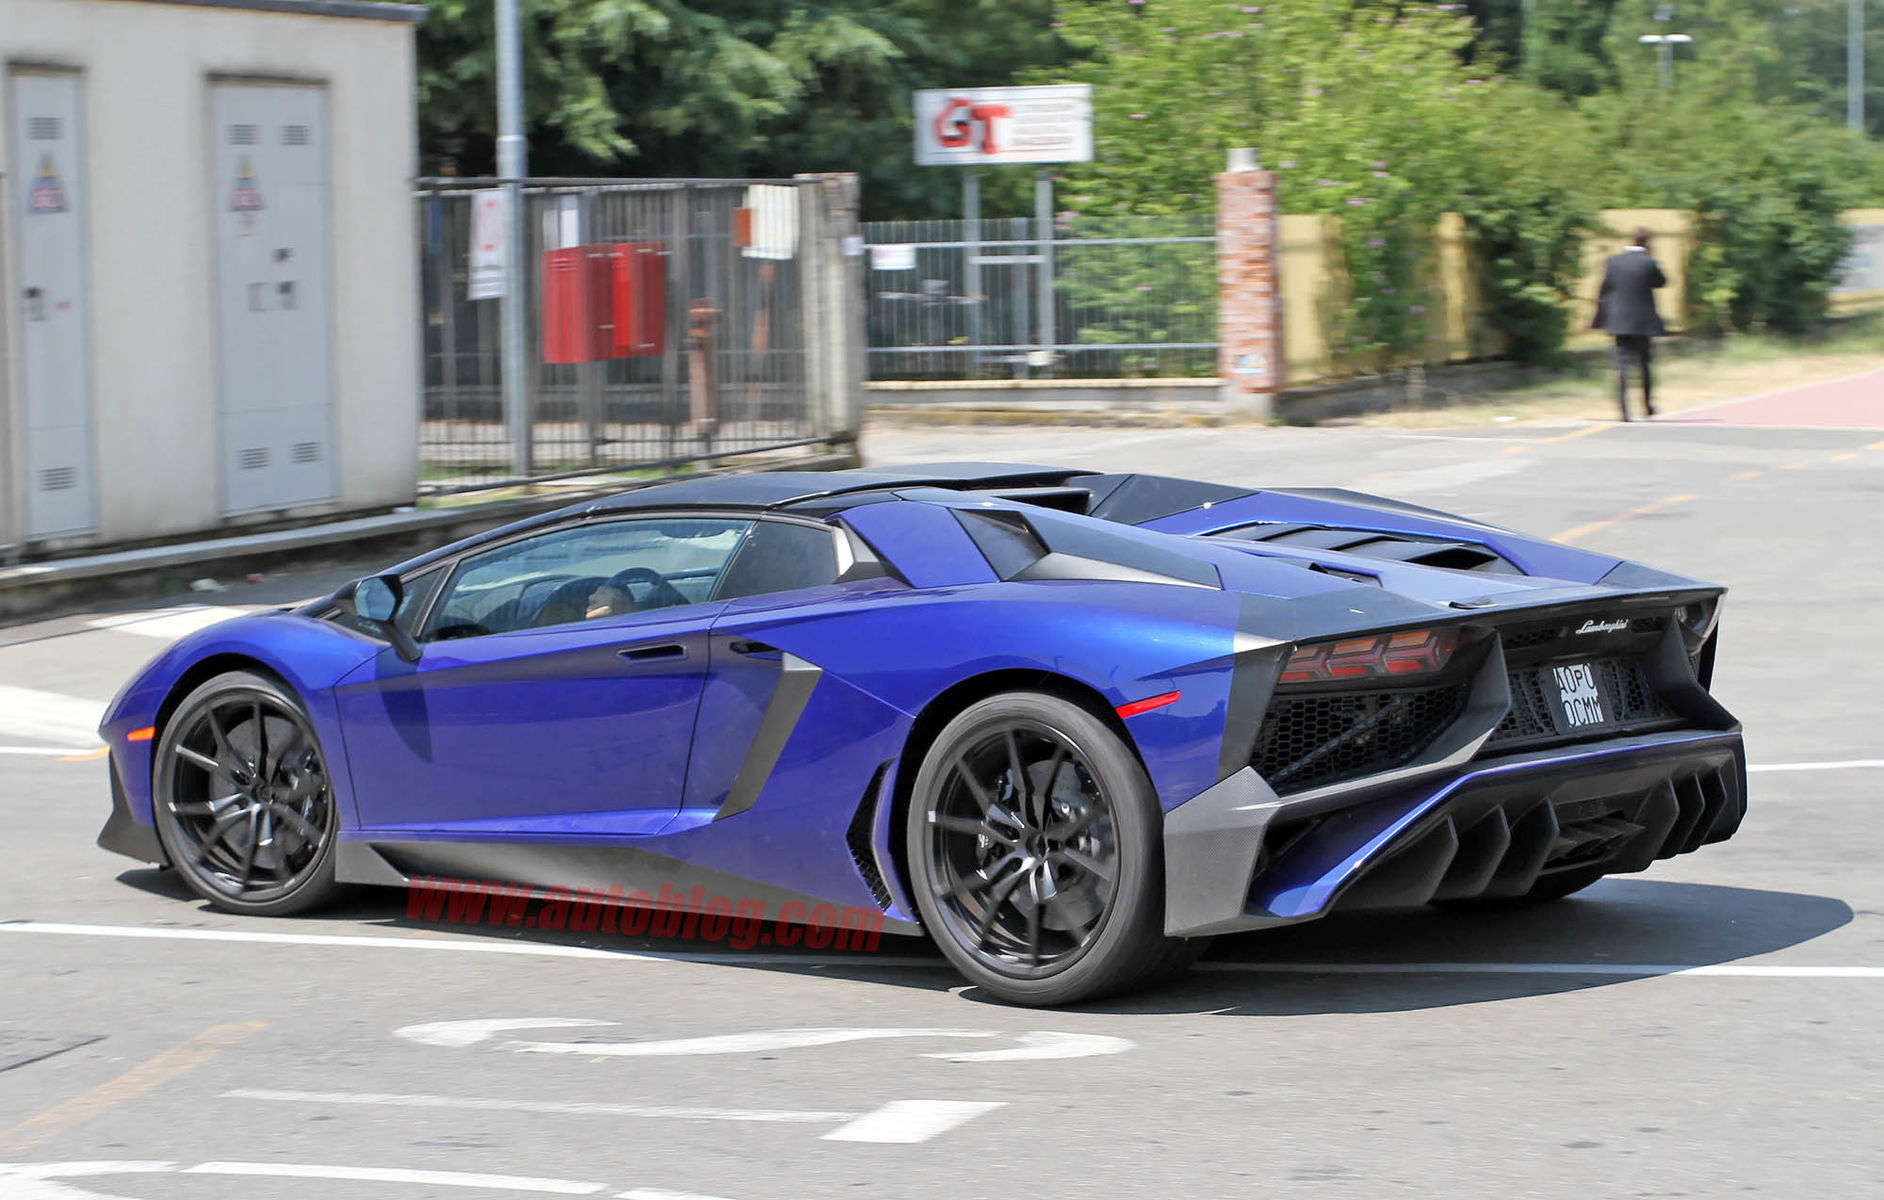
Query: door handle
[753,649]
[669,650]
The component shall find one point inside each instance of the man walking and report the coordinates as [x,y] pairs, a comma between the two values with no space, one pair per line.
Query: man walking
[1626,308]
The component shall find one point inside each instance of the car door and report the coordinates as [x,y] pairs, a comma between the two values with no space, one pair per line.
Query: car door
[556,690]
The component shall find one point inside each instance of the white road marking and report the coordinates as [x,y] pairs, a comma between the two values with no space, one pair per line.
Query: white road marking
[1452,476]
[1854,764]
[169,624]
[561,1107]
[37,716]
[43,751]
[904,1122]
[1036,1045]
[457,946]
[1620,970]
[470,1033]
[460,1179]
[524,949]
[35,1181]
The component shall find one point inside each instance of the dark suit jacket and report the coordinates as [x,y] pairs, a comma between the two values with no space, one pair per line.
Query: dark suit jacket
[1626,305]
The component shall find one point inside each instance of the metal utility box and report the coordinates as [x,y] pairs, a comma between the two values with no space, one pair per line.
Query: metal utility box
[604,300]
[275,341]
[54,312]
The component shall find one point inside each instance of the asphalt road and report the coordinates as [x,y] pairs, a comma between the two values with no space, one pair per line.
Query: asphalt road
[1711,1027]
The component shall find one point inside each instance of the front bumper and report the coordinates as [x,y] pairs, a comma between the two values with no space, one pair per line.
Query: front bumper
[1239,857]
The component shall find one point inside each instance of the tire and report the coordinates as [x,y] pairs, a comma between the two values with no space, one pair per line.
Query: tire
[248,821]
[1548,888]
[978,837]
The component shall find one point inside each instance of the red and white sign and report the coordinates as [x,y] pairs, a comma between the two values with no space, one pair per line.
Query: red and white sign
[488,229]
[957,127]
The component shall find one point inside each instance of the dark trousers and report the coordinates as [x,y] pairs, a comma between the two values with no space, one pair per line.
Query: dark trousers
[1636,350]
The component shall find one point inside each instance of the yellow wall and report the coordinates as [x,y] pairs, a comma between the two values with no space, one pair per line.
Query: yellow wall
[1314,286]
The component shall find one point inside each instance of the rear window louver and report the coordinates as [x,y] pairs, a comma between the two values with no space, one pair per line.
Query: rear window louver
[1371,543]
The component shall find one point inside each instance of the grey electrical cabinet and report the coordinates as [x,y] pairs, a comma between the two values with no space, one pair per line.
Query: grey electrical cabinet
[53,309]
[275,325]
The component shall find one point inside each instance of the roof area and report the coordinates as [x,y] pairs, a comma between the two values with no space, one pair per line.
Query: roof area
[778,489]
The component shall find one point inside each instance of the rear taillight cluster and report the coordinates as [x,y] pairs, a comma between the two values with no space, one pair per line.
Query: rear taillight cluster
[1381,655]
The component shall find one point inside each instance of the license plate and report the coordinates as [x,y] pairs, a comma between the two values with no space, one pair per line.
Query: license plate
[1579,701]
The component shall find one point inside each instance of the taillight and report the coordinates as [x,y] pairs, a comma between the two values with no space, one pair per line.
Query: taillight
[1386,654]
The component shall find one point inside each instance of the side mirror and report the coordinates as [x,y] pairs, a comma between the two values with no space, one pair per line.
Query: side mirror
[376,600]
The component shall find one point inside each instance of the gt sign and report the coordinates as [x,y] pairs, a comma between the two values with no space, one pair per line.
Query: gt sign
[967,126]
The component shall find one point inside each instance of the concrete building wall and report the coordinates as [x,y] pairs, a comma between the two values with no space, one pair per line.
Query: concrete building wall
[147,69]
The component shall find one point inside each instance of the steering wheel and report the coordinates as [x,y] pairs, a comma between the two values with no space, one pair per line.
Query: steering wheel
[662,593]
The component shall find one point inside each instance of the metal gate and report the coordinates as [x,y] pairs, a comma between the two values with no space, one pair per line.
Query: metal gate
[275,325]
[702,350]
[49,186]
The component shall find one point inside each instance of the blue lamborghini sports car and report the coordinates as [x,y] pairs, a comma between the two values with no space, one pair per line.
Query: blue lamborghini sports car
[1068,724]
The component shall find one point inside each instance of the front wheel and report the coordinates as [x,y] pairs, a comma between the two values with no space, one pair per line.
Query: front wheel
[242,799]
[1035,843]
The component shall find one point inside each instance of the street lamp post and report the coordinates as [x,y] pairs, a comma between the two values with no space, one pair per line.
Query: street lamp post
[1854,67]
[1665,44]
[513,151]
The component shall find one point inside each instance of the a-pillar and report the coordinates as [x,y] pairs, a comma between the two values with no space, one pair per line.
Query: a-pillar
[1249,287]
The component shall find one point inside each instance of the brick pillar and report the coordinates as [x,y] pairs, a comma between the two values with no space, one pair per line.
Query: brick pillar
[1249,292]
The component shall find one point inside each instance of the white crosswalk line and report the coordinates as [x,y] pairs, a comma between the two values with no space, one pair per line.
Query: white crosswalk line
[167,624]
[35,716]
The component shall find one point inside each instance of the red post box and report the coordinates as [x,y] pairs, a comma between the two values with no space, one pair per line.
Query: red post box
[640,298]
[602,301]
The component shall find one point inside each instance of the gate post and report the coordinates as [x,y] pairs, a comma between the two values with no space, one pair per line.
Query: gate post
[833,299]
[1249,291]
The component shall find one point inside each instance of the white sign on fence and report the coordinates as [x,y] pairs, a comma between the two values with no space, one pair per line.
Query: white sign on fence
[893,256]
[488,228]
[774,209]
[968,126]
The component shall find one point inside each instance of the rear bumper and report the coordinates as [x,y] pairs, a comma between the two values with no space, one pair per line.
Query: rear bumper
[1238,857]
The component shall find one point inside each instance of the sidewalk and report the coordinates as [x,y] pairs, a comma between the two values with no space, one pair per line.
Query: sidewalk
[1853,402]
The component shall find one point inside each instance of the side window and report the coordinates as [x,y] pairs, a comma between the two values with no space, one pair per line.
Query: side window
[779,556]
[606,569]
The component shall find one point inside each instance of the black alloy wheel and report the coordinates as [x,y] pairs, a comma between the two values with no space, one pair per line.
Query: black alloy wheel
[242,798]
[1035,842]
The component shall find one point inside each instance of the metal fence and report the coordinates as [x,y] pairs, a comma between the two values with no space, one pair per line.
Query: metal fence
[1089,297]
[633,407]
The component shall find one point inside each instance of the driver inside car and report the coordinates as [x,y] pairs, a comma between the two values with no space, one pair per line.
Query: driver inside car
[609,600]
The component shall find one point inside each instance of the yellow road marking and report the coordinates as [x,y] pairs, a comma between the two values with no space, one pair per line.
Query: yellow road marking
[1586,431]
[87,756]
[1878,445]
[1745,475]
[1571,535]
[152,1073]
[1516,449]
[1843,457]
[1795,466]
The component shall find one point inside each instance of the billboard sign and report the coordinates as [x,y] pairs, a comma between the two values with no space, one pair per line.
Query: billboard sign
[963,127]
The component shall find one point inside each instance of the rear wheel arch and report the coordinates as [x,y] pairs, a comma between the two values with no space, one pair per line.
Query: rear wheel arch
[950,703]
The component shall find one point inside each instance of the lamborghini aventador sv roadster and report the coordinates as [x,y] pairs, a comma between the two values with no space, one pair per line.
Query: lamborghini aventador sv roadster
[1068,725]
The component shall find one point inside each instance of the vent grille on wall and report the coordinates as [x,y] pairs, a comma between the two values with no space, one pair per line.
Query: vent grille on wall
[296,135]
[58,479]
[253,458]
[44,129]
[305,452]
[244,135]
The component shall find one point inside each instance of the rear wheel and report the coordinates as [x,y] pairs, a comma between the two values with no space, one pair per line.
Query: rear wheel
[1034,840]
[242,799]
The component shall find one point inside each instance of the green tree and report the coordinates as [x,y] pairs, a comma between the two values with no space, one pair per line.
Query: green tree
[657,88]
